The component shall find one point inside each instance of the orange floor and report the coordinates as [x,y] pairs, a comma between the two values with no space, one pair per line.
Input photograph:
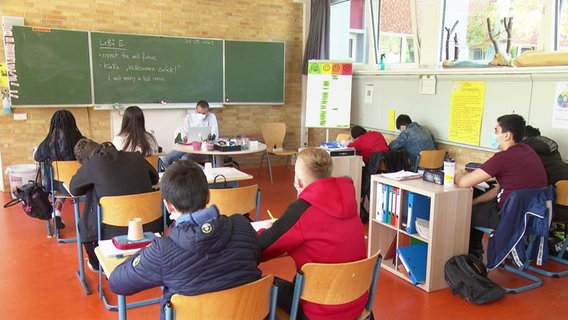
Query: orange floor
[39,282]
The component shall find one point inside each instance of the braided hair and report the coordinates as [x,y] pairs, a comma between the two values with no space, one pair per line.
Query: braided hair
[63,135]
[133,129]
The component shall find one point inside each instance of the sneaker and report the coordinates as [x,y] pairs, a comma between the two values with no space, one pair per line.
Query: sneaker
[59,223]
[91,267]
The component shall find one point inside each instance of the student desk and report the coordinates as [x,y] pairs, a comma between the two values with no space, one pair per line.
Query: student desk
[232,175]
[216,154]
[108,265]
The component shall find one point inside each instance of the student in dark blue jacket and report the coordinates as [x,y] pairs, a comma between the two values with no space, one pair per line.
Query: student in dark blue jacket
[204,251]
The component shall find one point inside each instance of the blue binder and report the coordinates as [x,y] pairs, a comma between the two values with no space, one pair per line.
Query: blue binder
[418,207]
[414,260]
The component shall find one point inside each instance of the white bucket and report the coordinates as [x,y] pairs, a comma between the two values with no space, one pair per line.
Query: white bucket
[19,175]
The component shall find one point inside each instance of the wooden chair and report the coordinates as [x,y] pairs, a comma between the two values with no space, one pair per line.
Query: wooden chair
[430,159]
[116,211]
[343,137]
[63,171]
[336,283]
[236,200]
[251,301]
[155,161]
[273,134]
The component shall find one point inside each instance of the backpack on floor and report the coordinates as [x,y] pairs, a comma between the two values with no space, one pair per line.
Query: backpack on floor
[35,200]
[467,276]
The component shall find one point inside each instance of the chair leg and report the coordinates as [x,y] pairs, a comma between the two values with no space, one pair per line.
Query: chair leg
[48,227]
[261,161]
[81,271]
[269,167]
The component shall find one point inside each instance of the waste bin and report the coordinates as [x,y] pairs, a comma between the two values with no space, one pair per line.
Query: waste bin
[19,175]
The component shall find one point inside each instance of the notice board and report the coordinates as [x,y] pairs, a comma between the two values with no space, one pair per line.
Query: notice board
[328,99]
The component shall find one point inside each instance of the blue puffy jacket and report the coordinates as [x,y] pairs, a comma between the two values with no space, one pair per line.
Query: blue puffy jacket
[204,254]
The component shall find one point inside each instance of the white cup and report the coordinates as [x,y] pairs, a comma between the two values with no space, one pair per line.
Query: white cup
[135,231]
[449,172]
[208,168]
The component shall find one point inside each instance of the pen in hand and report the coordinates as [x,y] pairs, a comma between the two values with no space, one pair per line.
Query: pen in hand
[270,215]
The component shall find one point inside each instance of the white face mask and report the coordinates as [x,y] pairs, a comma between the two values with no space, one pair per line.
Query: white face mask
[200,116]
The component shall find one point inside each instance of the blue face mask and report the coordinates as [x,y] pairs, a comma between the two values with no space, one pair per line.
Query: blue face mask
[494,142]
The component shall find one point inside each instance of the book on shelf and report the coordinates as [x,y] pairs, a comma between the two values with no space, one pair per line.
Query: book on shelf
[402,175]
[414,260]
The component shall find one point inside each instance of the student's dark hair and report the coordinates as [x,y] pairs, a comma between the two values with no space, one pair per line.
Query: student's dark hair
[514,124]
[403,120]
[133,129]
[185,186]
[531,131]
[84,149]
[105,150]
[357,131]
[203,104]
[62,127]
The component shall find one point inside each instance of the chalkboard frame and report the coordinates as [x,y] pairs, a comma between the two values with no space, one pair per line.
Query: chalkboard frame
[256,84]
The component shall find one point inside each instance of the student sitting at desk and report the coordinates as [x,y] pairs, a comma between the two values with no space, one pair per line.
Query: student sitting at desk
[109,172]
[133,135]
[516,167]
[321,226]
[58,146]
[200,117]
[547,150]
[367,142]
[204,251]
[413,138]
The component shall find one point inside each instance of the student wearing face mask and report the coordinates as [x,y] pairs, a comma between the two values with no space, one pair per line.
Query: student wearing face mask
[200,117]
[321,226]
[516,166]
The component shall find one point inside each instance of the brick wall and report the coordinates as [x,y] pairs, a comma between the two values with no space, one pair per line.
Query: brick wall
[266,20]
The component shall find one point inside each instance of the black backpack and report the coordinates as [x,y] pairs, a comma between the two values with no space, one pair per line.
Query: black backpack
[467,276]
[34,199]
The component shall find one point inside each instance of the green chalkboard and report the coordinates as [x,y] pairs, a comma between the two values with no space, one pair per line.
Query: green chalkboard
[148,69]
[51,66]
[254,72]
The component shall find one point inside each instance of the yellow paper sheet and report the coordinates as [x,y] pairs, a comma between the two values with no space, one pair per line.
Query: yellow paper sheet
[466,110]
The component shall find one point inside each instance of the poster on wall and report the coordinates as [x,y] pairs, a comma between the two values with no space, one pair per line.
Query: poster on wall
[328,98]
[466,111]
[560,109]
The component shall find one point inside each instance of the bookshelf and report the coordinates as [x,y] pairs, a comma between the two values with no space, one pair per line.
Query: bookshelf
[448,228]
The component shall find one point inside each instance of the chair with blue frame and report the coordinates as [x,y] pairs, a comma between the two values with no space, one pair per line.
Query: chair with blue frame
[117,211]
[336,283]
[561,206]
[236,200]
[526,215]
[252,301]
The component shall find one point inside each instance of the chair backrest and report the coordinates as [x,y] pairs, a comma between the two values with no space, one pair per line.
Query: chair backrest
[251,301]
[343,137]
[431,159]
[273,134]
[154,160]
[339,283]
[117,210]
[64,170]
[235,200]
[562,192]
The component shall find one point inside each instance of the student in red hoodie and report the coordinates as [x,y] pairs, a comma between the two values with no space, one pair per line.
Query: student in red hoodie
[367,142]
[321,226]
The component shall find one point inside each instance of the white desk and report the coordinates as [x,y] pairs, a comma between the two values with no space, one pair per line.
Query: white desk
[188,148]
[231,175]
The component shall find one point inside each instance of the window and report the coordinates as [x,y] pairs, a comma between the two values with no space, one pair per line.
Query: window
[471,31]
[396,36]
[347,29]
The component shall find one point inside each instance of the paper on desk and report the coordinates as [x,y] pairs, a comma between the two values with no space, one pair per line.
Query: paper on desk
[263,224]
[483,186]
[402,175]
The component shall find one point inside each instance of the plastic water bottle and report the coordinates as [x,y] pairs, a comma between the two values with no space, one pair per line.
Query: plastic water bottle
[449,172]
[6,105]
